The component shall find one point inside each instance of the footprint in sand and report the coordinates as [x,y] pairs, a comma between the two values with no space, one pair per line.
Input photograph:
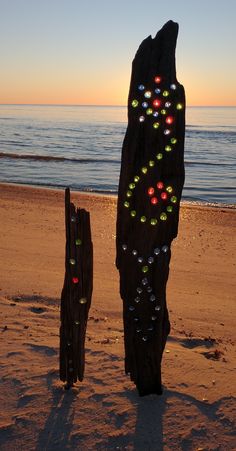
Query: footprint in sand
[44,349]
[37,309]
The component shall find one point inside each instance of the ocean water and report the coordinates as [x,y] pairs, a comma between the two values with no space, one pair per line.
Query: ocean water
[80,147]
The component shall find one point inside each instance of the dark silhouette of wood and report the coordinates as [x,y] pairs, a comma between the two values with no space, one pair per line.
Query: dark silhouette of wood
[76,293]
[150,187]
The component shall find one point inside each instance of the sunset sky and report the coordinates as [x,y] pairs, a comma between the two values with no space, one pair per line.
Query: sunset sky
[80,51]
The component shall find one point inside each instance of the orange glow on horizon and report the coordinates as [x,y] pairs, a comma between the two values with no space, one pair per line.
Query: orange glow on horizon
[104,92]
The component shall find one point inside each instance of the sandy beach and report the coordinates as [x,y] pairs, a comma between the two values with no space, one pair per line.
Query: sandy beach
[104,412]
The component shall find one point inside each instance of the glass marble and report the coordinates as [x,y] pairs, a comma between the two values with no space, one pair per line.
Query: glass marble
[163,111]
[152,298]
[173,86]
[145,281]
[153,318]
[157,91]
[83,301]
[141,119]
[157,79]
[179,106]
[154,200]
[163,216]
[148,94]
[133,213]
[72,261]
[158,308]
[139,290]
[160,185]
[134,252]
[150,260]
[134,103]
[145,269]
[138,330]
[156,103]
[166,131]
[151,163]
[77,323]
[150,328]
[136,178]
[126,204]
[169,120]
[151,191]
[168,148]
[73,218]
[131,185]
[75,280]
[144,170]
[165,93]
[164,196]
[153,221]
[145,338]
[156,125]
[169,189]
[169,208]
[173,199]
[149,289]
[141,87]
[159,156]
[165,248]
[124,247]
[137,299]
[140,259]
[144,104]
[155,114]
[149,111]
[143,219]
[131,308]
[157,251]
[129,193]
[173,140]
[167,104]
[78,241]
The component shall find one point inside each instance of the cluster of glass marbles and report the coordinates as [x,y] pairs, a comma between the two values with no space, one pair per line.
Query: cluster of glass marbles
[156,104]
[158,195]
[72,262]
[145,291]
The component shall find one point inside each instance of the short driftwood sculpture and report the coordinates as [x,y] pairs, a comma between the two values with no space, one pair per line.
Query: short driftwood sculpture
[76,293]
[151,182]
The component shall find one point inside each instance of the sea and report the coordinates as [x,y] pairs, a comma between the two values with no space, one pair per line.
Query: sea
[80,147]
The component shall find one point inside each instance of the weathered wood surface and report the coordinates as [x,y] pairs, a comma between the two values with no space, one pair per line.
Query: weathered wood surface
[150,187]
[76,293]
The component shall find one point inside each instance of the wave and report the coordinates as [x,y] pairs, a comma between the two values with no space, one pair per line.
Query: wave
[194,131]
[207,163]
[17,156]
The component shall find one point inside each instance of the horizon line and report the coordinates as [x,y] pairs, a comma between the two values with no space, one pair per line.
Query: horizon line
[103,105]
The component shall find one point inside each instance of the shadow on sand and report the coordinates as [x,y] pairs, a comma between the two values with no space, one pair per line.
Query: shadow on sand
[59,424]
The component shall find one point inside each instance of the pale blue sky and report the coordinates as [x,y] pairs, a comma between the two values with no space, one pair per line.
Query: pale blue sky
[75,51]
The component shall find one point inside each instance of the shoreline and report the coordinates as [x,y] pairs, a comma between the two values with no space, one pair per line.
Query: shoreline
[183,203]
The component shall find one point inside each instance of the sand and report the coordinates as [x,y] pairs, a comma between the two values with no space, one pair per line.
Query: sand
[104,412]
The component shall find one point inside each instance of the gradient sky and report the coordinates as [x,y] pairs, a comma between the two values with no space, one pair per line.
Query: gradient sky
[80,51]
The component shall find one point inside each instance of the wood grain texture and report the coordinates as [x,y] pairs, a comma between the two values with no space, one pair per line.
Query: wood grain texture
[150,188]
[76,293]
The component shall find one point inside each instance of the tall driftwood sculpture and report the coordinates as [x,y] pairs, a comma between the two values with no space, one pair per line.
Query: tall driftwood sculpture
[151,182]
[76,293]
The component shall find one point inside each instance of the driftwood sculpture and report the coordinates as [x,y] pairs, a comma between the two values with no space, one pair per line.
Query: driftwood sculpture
[76,293]
[151,182]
